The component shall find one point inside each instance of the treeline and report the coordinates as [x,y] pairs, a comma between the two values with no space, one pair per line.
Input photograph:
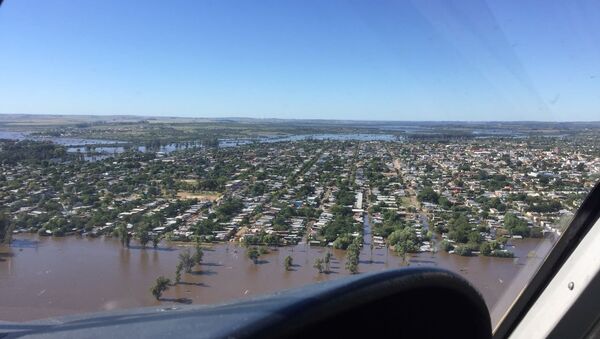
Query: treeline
[222,213]
[427,194]
[341,226]
[13,152]
[440,136]
[400,236]
[467,238]
[345,197]
[517,226]
[492,182]
[537,204]
[5,228]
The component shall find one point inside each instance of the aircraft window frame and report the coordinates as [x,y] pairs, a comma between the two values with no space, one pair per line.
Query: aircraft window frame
[586,216]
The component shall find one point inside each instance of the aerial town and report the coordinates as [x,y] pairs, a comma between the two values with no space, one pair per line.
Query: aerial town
[200,211]
[465,197]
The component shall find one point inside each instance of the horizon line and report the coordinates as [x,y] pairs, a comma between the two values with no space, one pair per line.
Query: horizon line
[291,119]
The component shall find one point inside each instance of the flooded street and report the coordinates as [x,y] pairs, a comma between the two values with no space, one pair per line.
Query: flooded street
[43,277]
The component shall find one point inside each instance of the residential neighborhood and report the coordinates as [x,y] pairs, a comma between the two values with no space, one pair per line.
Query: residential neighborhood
[465,197]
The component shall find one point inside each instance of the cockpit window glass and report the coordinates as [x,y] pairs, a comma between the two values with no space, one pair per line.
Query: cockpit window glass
[201,151]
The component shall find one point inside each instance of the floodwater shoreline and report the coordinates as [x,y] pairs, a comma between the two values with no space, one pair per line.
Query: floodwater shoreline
[43,277]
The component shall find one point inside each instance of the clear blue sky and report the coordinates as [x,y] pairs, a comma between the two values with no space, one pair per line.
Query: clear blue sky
[372,60]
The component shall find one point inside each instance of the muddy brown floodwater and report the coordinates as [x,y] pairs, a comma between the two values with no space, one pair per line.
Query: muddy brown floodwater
[42,277]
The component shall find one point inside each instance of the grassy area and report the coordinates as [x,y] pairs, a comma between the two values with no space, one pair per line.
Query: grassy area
[407,202]
[189,181]
[212,196]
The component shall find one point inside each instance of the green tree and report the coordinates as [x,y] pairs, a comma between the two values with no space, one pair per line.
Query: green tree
[459,229]
[429,195]
[144,238]
[352,266]
[5,228]
[463,250]
[288,262]
[160,286]
[253,254]
[444,202]
[178,272]
[199,254]
[156,240]
[327,261]
[318,265]
[447,246]
[122,233]
[515,225]
[186,261]
[342,242]
[485,248]
[352,255]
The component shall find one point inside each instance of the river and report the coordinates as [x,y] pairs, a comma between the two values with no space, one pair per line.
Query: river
[49,276]
[97,149]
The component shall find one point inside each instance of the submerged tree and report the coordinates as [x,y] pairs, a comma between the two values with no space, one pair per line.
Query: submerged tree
[156,240]
[186,261]
[318,265]
[178,272]
[123,235]
[160,286]
[401,251]
[327,261]
[144,238]
[253,254]
[288,263]
[433,248]
[352,267]
[198,255]
[5,228]
[352,258]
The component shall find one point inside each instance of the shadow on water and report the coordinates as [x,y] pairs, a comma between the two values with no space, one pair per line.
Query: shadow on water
[422,261]
[150,248]
[293,268]
[211,264]
[164,249]
[204,272]
[187,283]
[186,301]
[368,262]
[261,262]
